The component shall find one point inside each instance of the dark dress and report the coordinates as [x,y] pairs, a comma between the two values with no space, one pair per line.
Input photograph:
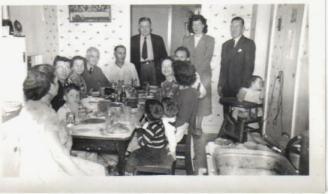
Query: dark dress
[169,89]
[79,81]
[187,100]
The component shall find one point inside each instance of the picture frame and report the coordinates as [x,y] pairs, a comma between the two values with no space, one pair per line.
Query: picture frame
[89,13]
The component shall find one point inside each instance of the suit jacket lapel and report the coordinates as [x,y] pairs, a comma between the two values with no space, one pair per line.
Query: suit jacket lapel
[138,47]
[154,45]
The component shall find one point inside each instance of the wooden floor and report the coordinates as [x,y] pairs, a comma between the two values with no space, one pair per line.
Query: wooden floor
[200,154]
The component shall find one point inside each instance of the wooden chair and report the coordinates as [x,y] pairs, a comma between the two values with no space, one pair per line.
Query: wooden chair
[162,168]
[184,150]
[156,169]
[237,129]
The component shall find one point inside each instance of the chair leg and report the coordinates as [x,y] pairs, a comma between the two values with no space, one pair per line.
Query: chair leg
[173,167]
[221,132]
[188,165]
[242,131]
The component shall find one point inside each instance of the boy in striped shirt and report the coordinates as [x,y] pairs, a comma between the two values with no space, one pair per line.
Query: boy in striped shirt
[151,139]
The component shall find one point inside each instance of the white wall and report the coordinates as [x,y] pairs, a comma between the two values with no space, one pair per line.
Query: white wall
[218,20]
[75,38]
[262,28]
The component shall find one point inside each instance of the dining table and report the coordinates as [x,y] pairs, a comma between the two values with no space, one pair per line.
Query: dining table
[108,133]
[110,127]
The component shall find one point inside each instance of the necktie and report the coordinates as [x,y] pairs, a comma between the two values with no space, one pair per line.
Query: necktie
[144,53]
[234,43]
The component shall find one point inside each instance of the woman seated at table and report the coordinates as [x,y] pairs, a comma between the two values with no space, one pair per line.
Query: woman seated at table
[40,152]
[186,98]
[78,64]
[168,87]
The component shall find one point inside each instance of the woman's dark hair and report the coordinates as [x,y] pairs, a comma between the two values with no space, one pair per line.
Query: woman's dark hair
[185,74]
[170,107]
[238,19]
[78,58]
[197,18]
[153,109]
[182,48]
[70,87]
[60,58]
[47,69]
[36,85]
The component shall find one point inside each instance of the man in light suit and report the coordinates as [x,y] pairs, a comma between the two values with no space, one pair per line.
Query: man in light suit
[237,60]
[147,51]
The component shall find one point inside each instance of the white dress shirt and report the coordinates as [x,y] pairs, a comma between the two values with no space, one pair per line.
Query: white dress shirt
[197,39]
[126,72]
[150,51]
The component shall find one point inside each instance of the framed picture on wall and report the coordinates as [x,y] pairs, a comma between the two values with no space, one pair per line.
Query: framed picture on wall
[89,13]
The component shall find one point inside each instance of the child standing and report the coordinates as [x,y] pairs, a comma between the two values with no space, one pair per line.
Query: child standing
[151,139]
[169,118]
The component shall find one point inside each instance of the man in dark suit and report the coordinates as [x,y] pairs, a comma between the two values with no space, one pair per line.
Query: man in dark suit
[237,60]
[147,51]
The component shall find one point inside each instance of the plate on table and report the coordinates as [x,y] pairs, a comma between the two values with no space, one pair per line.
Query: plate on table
[117,128]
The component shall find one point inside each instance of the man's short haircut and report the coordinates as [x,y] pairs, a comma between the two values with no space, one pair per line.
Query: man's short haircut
[36,85]
[142,19]
[119,46]
[170,107]
[93,49]
[61,58]
[185,73]
[238,19]
[153,109]
[70,87]
[47,69]
[184,49]
[78,58]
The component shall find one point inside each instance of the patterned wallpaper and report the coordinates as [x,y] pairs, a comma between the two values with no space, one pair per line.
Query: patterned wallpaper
[75,38]
[218,20]
[51,45]
[70,39]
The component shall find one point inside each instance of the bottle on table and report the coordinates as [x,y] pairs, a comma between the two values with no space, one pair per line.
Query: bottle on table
[123,95]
